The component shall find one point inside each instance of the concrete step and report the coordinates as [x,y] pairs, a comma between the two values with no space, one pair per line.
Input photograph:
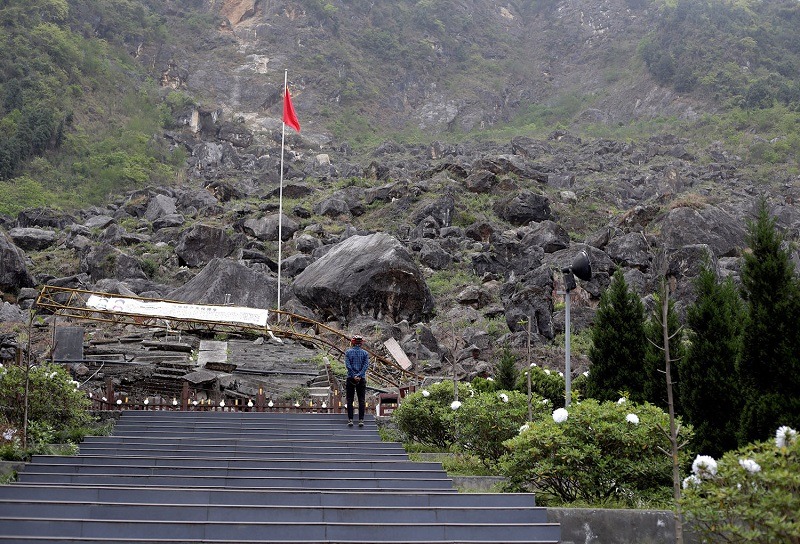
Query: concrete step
[300,497]
[249,452]
[263,482]
[247,513]
[285,531]
[336,433]
[227,462]
[265,471]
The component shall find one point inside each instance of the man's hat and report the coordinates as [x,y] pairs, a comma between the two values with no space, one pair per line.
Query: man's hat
[356,340]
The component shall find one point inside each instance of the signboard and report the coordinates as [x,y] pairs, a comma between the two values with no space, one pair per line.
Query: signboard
[69,344]
[398,353]
[177,310]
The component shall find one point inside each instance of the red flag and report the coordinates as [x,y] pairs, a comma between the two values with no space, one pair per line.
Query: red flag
[289,116]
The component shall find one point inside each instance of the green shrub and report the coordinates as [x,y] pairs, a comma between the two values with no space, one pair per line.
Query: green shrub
[609,452]
[750,495]
[546,384]
[486,420]
[426,416]
[55,406]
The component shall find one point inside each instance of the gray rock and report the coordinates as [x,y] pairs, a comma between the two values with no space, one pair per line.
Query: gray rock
[106,261]
[530,298]
[266,228]
[480,181]
[237,134]
[199,199]
[433,256]
[523,208]
[44,218]
[32,239]
[713,226]
[160,206]
[332,207]
[219,277]
[365,275]
[440,210]
[168,221]
[11,313]
[630,250]
[201,244]
[98,222]
[548,235]
[14,273]
[294,265]
[305,243]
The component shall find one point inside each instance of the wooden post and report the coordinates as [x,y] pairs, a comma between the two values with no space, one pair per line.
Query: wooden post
[185,396]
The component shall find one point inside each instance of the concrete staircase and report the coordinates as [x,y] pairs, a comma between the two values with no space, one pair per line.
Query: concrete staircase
[227,477]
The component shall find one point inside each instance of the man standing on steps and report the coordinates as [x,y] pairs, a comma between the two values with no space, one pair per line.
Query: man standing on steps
[357,361]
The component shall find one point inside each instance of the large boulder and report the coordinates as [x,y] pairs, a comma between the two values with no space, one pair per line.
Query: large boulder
[713,226]
[160,206]
[44,218]
[106,261]
[365,275]
[222,277]
[32,239]
[14,273]
[523,208]
[202,243]
[266,228]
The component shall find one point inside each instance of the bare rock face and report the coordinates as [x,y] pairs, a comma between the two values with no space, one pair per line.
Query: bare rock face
[13,272]
[713,226]
[237,10]
[32,239]
[365,275]
[222,277]
[202,243]
[106,261]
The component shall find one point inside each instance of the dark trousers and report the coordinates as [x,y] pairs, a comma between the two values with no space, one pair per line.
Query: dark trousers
[358,388]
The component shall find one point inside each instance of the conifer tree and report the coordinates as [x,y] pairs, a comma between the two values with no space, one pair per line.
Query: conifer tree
[655,386]
[769,369]
[709,391]
[506,374]
[618,344]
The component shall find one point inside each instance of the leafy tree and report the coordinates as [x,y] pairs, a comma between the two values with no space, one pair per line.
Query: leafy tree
[607,451]
[506,373]
[769,369]
[655,385]
[709,393]
[618,344]
[750,495]
[549,386]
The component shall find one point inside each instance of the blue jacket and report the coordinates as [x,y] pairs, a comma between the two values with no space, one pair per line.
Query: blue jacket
[357,361]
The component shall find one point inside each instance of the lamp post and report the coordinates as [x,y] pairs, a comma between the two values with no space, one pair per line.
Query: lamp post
[583,270]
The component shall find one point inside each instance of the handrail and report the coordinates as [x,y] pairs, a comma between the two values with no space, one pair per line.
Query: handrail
[70,302]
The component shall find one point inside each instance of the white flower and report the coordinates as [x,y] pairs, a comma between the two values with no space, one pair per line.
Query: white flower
[750,466]
[561,374]
[147,401]
[119,401]
[632,418]
[547,371]
[9,434]
[503,397]
[691,480]
[489,379]
[222,403]
[533,365]
[560,415]
[455,405]
[545,401]
[622,400]
[524,428]
[586,374]
[704,466]
[426,393]
[785,436]
[52,375]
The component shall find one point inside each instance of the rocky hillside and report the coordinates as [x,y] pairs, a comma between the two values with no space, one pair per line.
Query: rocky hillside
[449,234]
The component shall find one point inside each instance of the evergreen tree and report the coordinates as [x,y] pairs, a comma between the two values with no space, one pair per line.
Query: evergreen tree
[506,374]
[769,369]
[655,384]
[618,344]
[709,392]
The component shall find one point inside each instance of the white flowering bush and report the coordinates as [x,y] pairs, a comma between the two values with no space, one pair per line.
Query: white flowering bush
[427,416]
[486,420]
[57,411]
[594,456]
[749,495]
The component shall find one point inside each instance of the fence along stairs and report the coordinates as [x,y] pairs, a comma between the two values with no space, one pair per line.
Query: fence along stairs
[225,477]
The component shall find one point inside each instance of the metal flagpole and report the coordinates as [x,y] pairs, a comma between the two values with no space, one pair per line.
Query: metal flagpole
[280,189]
